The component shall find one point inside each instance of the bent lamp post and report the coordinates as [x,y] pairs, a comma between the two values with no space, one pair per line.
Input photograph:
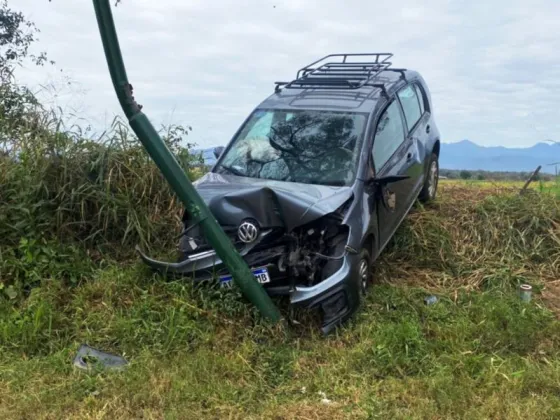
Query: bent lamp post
[173,172]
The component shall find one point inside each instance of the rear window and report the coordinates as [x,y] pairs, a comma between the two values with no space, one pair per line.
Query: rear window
[411,107]
[420,98]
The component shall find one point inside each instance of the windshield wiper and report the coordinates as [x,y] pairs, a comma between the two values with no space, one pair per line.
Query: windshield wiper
[232,170]
[329,183]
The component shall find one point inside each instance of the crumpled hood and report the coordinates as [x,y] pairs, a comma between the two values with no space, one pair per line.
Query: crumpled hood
[232,199]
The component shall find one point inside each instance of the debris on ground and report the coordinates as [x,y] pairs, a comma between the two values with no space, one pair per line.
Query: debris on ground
[430,300]
[87,358]
[525,292]
[324,398]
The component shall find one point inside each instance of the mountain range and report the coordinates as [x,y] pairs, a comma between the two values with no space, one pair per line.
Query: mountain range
[470,156]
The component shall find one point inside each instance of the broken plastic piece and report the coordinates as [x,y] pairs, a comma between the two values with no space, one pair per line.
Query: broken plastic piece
[88,357]
[324,398]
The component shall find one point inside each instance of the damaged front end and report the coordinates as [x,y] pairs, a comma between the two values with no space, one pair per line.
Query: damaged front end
[296,243]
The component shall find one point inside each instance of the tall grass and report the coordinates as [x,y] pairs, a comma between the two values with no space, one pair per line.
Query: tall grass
[97,192]
[481,237]
[67,199]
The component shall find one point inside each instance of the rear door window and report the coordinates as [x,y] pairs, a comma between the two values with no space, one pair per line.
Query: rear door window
[411,107]
[389,135]
[420,98]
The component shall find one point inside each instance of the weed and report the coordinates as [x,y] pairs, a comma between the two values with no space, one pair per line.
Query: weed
[497,239]
[104,193]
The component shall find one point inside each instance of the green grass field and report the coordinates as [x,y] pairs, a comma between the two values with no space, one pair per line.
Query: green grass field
[204,353]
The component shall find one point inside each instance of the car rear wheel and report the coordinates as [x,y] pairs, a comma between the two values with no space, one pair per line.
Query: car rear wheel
[429,191]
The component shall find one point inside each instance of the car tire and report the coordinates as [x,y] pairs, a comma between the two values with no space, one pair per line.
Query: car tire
[364,277]
[429,190]
[364,271]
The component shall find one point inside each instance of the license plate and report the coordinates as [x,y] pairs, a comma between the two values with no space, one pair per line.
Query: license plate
[260,273]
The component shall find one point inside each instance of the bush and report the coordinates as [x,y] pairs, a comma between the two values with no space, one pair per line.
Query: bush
[64,195]
[108,193]
[465,175]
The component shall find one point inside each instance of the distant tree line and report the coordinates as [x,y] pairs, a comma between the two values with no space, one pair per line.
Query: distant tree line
[491,175]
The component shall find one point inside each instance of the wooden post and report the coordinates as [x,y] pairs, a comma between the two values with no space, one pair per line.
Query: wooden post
[531,179]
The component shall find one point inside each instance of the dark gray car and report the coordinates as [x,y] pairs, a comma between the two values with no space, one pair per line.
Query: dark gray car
[316,181]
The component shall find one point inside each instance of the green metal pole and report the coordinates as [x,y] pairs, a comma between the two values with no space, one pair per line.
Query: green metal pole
[172,171]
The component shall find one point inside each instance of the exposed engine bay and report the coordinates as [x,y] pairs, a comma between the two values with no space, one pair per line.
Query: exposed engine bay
[305,256]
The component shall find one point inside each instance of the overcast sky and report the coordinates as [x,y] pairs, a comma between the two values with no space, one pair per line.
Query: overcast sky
[493,69]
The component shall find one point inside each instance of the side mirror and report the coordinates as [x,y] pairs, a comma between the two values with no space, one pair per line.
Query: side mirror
[218,151]
[384,180]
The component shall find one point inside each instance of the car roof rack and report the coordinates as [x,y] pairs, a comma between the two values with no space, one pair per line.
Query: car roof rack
[352,98]
[342,71]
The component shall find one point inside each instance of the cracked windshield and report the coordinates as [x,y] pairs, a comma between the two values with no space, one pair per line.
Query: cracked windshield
[313,147]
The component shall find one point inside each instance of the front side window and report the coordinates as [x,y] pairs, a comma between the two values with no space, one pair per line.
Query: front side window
[389,135]
[313,147]
[411,107]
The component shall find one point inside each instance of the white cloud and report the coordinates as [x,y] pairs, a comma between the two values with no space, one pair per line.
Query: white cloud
[492,66]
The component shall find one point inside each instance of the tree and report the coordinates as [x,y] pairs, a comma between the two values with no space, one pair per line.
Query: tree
[17,34]
[465,175]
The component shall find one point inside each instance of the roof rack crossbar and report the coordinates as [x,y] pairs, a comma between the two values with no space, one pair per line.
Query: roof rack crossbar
[363,67]
[335,71]
[341,74]
[321,81]
[353,65]
[370,70]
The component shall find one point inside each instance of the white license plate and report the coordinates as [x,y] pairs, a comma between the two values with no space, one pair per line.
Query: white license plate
[260,273]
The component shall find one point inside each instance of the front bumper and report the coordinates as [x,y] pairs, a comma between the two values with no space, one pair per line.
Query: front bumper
[337,296]
[206,264]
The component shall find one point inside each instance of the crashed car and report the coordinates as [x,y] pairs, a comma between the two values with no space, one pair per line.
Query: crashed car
[317,180]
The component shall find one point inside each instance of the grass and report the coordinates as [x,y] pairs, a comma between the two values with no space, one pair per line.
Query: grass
[105,194]
[479,355]
[203,353]
[552,187]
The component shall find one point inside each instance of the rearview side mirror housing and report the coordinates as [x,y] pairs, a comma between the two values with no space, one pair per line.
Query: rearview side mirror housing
[385,180]
[218,151]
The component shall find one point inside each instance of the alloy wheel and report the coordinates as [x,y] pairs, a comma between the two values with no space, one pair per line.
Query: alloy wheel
[364,274]
[433,179]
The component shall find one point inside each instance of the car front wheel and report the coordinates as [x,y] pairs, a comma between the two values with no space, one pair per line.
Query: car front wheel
[364,271]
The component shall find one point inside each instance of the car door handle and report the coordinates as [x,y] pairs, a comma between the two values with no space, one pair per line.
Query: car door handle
[428,129]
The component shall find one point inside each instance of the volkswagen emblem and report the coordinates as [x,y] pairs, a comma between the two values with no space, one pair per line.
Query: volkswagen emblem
[248,232]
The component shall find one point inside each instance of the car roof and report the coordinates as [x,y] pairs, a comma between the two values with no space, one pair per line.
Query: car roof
[364,99]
